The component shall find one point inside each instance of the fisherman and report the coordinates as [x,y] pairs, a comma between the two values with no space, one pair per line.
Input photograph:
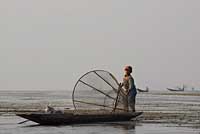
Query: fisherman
[129,89]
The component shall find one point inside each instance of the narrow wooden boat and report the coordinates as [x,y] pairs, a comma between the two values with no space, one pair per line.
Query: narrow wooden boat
[178,88]
[78,117]
[170,89]
[98,90]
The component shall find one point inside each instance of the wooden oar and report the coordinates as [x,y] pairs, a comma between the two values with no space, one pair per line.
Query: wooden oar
[116,101]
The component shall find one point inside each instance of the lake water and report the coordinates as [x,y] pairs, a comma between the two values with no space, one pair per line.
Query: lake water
[146,102]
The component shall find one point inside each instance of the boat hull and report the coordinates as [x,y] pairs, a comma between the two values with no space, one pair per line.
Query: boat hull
[80,118]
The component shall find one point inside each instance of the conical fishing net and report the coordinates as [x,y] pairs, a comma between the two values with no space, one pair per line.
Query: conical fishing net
[97,89]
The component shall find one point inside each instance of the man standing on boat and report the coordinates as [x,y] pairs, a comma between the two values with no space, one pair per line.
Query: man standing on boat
[130,89]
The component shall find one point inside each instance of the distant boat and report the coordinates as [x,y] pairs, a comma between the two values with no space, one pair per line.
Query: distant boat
[141,90]
[177,89]
[171,89]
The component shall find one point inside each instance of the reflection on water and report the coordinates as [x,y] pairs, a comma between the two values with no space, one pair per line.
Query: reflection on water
[9,125]
[123,125]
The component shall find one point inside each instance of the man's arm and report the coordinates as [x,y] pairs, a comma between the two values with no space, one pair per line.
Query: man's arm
[124,91]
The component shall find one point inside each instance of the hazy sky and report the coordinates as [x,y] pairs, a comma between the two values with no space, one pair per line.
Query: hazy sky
[49,44]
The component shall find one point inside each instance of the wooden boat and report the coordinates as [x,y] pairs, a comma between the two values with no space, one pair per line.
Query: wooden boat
[78,117]
[170,89]
[98,90]
[178,88]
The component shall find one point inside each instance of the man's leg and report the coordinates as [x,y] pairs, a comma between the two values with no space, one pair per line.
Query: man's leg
[125,103]
[132,103]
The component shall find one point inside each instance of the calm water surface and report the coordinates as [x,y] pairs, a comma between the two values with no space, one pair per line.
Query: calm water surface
[26,99]
[9,125]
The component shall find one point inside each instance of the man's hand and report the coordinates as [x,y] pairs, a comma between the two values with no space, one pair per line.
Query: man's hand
[120,85]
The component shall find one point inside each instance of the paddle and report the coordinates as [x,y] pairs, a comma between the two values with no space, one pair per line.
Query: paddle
[118,92]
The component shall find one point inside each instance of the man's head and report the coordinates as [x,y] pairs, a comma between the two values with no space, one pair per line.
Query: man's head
[128,69]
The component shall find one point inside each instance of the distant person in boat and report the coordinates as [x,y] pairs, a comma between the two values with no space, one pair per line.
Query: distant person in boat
[130,89]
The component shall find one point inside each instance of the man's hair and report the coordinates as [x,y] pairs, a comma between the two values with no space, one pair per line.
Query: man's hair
[129,68]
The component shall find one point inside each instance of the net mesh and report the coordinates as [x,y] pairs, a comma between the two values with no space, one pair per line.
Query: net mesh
[96,90]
